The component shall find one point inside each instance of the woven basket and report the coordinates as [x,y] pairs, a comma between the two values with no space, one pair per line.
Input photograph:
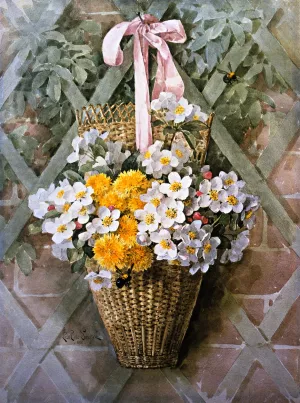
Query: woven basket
[147,321]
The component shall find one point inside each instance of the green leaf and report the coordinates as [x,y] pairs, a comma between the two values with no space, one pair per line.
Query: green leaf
[73,176]
[241,91]
[65,62]
[233,221]
[101,143]
[78,243]
[54,88]
[227,109]
[73,255]
[238,33]
[79,265]
[190,139]
[216,29]
[24,261]
[35,228]
[53,54]
[52,214]
[12,251]
[63,72]
[224,220]
[263,97]
[29,250]
[253,71]
[199,42]
[86,167]
[130,162]
[87,64]
[157,122]
[55,36]
[39,79]
[268,75]
[80,75]
[255,113]
[194,125]
[20,103]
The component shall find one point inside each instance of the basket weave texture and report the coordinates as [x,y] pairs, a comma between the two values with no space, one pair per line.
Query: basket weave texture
[147,321]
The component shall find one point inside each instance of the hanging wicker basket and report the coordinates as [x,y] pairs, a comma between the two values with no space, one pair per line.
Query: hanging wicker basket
[147,321]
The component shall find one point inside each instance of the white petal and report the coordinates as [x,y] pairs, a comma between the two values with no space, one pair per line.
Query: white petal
[103,212]
[174,177]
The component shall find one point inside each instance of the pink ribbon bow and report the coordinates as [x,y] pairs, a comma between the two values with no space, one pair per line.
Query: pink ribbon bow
[154,33]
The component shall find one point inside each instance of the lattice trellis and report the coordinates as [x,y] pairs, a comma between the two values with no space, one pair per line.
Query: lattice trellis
[39,343]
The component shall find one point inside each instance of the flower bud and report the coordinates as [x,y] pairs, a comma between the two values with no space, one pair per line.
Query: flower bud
[197,216]
[51,207]
[207,175]
[78,225]
[111,208]
[198,193]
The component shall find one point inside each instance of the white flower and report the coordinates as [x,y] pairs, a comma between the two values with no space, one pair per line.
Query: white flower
[187,254]
[153,195]
[207,253]
[163,163]
[114,156]
[147,157]
[252,204]
[66,215]
[83,193]
[235,254]
[181,152]
[191,234]
[143,239]
[62,194]
[38,201]
[230,179]
[210,193]
[99,280]
[178,111]
[165,248]
[231,200]
[197,114]
[88,234]
[164,101]
[61,231]
[171,211]
[202,266]
[59,250]
[191,204]
[148,217]
[78,210]
[177,188]
[107,221]
[81,146]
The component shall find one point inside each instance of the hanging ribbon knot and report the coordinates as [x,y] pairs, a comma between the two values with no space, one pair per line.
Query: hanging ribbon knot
[147,32]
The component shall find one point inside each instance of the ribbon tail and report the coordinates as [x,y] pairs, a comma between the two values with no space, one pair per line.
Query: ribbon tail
[142,98]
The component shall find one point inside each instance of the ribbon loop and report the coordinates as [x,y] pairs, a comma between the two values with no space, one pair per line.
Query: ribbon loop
[152,33]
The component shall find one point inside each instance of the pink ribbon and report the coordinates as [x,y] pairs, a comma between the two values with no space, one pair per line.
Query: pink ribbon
[152,33]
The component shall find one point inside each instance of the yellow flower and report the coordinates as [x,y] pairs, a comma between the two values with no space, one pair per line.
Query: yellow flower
[135,203]
[131,184]
[100,183]
[127,230]
[140,257]
[111,198]
[110,252]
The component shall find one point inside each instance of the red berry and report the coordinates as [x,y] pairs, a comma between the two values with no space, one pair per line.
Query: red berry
[204,220]
[197,216]
[198,193]
[207,175]
[78,225]
[51,207]
[111,208]
[189,219]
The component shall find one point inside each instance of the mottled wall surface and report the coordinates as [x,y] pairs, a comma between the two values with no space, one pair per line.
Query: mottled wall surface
[243,342]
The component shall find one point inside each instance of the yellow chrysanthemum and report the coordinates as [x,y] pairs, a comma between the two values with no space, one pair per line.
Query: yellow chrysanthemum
[100,183]
[135,203]
[110,252]
[131,184]
[127,230]
[140,257]
[111,198]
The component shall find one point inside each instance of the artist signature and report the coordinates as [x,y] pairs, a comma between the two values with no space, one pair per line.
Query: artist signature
[77,336]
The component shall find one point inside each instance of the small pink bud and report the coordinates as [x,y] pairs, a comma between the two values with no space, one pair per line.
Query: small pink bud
[78,225]
[197,216]
[51,207]
[198,193]
[207,175]
[189,219]
[111,208]
[204,220]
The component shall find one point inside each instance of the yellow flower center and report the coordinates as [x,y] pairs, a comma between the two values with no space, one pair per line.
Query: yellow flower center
[155,201]
[83,211]
[175,186]
[80,195]
[192,235]
[179,153]
[96,236]
[165,160]
[213,194]
[187,202]
[165,244]
[66,207]
[149,219]
[107,221]
[232,200]
[60,194]
[174,262]
[249,214]
[97,280]
[179,110]
[61,228]
[171,213]
[196,117]
[207,248]
[229,182]
[190,250]
[147,155]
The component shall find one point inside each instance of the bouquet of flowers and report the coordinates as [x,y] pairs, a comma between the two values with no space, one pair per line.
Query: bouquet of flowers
[125,210]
